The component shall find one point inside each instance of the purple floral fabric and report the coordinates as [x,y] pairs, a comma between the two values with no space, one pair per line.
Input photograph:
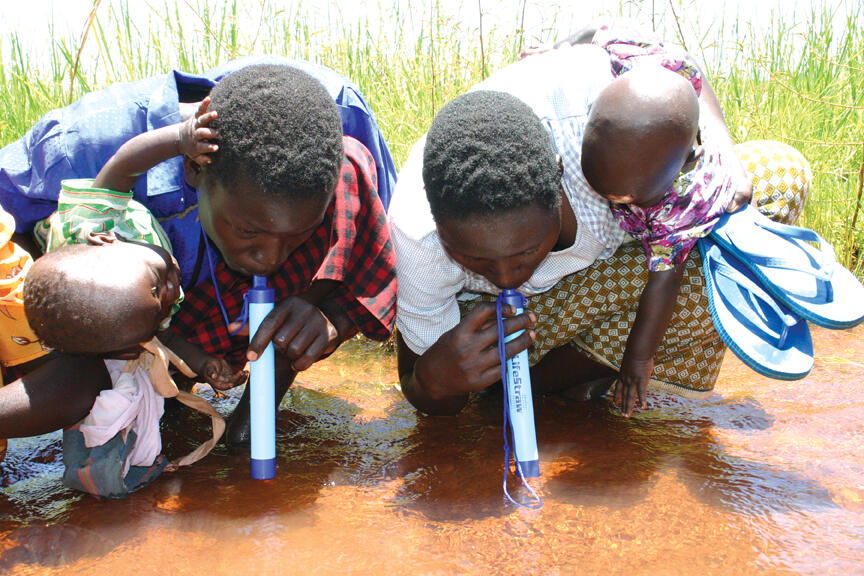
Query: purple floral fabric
[691,207]
[669,230]
[628,47]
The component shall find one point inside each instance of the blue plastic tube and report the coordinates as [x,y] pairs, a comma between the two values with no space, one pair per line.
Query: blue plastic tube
[262,391]
[520,401]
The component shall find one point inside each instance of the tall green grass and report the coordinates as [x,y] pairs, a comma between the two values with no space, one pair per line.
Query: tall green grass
[800,82]
[804,85]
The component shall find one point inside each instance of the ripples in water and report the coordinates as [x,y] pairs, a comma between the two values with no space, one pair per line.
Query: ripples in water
[764,475]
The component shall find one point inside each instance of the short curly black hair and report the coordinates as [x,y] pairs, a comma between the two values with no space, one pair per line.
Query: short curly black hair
[279,130]
[71,307]
[485,152]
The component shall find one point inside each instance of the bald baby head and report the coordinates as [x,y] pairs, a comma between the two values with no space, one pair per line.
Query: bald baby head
[640,131]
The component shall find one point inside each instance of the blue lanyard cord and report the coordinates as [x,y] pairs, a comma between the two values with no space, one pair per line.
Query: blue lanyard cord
[502,355]
[244,312]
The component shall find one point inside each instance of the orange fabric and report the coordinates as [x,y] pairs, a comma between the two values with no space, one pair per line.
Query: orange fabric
[18,343]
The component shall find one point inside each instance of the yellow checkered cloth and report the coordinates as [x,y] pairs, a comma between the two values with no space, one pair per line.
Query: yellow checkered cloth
[781,178]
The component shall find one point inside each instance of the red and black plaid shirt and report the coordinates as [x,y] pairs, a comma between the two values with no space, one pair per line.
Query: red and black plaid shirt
[351,246]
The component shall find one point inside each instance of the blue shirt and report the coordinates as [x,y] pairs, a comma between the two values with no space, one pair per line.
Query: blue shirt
[76,141]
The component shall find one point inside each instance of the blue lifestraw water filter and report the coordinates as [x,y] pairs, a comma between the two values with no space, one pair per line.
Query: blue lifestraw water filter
[262,391]
[521,405]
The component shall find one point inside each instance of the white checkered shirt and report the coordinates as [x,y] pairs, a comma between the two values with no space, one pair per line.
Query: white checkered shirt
[559,86]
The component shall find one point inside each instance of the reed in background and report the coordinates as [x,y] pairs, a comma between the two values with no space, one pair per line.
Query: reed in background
[798,82]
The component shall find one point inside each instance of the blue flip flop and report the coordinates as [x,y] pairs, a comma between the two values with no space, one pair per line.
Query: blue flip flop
[796,265]
[759,330]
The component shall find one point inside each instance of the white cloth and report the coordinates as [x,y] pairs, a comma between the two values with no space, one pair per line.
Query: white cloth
[559,86]
[131,400]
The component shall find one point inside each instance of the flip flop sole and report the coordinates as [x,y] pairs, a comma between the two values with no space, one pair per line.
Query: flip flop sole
[748,325]
[789,269]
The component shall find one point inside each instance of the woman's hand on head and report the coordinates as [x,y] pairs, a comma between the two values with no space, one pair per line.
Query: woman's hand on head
[299,331]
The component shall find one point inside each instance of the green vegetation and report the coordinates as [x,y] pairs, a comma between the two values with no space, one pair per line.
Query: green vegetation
[812,98]
[798,83]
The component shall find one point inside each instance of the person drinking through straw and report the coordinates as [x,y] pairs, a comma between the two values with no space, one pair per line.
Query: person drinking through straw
[496,196]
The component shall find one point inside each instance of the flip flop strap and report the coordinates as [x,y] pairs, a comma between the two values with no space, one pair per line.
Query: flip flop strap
[825,261]
[755,292]
[826,250]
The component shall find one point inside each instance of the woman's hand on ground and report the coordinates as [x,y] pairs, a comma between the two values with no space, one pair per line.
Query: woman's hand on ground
[632,384]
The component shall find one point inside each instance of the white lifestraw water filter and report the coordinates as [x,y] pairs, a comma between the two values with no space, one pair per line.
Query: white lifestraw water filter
[262,391]
[520,404]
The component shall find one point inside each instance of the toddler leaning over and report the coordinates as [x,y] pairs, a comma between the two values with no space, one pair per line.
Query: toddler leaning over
[108,286]
[667,186]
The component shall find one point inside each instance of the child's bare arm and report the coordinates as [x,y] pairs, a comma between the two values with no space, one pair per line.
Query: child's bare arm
[709,107]
[58,392]
[210,369]
[189,138]
[656,306]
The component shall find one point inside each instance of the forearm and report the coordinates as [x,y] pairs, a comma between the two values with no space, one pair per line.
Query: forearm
[194,356]
[319,290]
[55,395]
[715,122]
[417,390]
[321,294]
[138,155]
[656,306]
[711,109]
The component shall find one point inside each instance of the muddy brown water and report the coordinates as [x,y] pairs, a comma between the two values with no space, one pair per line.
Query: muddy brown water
[762,477]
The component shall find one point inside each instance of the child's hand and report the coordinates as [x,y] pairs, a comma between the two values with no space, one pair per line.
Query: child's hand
[218,374]
[742,196]
[632,383]
[194,135]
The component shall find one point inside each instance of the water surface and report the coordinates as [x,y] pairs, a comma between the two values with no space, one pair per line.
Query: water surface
[763,476]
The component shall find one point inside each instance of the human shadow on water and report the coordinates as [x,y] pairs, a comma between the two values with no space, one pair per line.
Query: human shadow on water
[592,456]
[44,523]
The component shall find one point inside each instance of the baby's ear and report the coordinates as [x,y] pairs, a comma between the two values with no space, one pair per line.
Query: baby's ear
[101,238]
[194,172]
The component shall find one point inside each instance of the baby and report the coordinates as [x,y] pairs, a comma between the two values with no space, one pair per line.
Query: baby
[108,286]
[123,256]
[109,296]
[642,150]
